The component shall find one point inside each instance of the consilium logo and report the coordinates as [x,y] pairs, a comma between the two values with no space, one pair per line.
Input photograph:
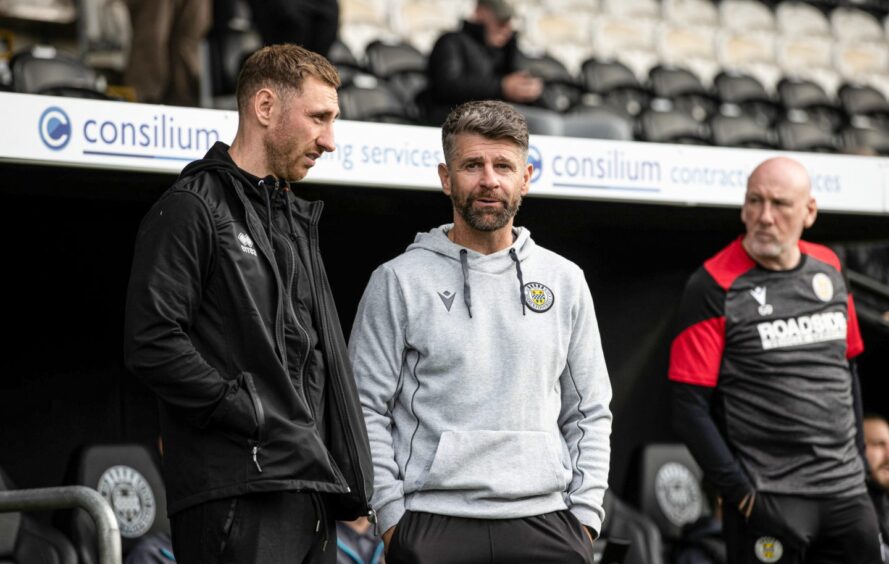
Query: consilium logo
[55,128]
[535,159]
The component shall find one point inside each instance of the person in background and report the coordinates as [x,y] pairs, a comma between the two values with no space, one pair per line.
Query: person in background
[765,391]
[357,544]
[876,443]
[478,62]
[165,63]
[313,24]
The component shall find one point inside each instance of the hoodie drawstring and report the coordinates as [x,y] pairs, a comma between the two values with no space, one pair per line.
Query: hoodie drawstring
[467,295]
[518,273]
[320,518]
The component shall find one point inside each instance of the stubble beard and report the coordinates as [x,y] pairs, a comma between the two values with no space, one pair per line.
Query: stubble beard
[486,219]
[279,149]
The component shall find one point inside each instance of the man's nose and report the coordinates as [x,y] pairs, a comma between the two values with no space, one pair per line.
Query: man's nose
[489,178]
[326,139]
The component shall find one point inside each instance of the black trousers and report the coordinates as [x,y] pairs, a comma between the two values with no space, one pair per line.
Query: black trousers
[260,528]
[556,538]
[797,530]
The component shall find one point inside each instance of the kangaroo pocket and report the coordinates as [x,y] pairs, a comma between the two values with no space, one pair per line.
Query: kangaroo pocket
[498,464]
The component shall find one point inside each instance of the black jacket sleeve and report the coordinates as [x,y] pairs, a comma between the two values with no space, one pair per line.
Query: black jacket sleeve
[173,258]
[693,422]
[455,79]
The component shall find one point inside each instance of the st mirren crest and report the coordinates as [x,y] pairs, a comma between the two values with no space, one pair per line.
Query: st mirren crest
[759,294]
[131,498]
[538,297]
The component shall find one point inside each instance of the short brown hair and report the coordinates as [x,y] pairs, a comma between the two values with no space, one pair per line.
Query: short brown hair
[488,118]
[284,67]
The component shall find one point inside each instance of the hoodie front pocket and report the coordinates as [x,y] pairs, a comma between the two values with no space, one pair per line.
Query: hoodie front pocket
[499,464]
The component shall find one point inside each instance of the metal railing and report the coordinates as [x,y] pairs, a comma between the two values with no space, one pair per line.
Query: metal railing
[69,497]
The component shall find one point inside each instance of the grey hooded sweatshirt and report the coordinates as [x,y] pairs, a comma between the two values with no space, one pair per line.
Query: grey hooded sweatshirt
[483,383]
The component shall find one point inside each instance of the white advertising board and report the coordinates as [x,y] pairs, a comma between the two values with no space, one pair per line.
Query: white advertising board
[126,136]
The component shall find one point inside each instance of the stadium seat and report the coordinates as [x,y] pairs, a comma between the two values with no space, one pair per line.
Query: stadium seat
[692,47]
[345,61]
[560,91]
[691,12]
[804,100]
[362,21]
[402,66]
[598,123]
[25,540]
[624,522]
[542,121]
[670,490]
[809,58]
[671,126]
[852,24]
[859,61]
[43,70]
[422,22]
[749,52]
[865,140]
[128,478]
[630,41]
[742,131]
[373,101]
[632,9]
[805,136]
[746,16]
[862,101]
[795,18]
[229,46]
[613,84]
[742,94]
[106,33]
[684,90]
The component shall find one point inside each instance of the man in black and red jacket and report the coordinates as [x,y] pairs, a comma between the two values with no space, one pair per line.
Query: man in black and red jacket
[764,390]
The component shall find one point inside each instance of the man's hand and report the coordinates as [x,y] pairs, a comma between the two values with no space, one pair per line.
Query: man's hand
[745,506]
[520,86]
[387,537]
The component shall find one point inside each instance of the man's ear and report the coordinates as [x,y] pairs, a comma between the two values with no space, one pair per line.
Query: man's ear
[811,213]
[526,178]
[264,102]
[444,176]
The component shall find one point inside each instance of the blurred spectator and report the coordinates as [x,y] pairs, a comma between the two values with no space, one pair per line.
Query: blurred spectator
[164,66]
[479,62]
[356,543]
[312,24]
[876,441]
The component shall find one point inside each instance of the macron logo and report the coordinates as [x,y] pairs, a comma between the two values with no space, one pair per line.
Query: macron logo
[447,298]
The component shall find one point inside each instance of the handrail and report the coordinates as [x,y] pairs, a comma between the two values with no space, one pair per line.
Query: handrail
[868,283]
[66,498]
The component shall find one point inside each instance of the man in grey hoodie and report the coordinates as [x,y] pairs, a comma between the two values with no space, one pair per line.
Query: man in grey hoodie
[481,375]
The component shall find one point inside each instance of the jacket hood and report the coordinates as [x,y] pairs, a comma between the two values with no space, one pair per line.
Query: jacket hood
[436,240]
[505,260]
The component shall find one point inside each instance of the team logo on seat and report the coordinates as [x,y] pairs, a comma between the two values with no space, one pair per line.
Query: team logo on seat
[768,549]
[537,296]
[131,499]
[678,493]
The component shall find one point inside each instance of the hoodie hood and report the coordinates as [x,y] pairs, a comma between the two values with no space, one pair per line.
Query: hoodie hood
[510,258]
[436,240]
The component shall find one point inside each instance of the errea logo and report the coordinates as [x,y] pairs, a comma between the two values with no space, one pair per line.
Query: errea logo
[246,243]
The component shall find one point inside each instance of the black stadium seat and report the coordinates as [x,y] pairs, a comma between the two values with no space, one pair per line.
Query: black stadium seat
[866,140]
[598,123]
[402,66]
[43,70]
[684,89]
[805,100]
[560,91]
[742,131]
[865,105]
[671,126]
[613,84]
[373,101]
[670,491]
[625,523]
[345,62]
[805,136]
[24,540]
[542,121]
[128,478]
[742,94]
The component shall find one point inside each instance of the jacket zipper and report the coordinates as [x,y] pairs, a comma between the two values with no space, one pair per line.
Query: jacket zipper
[260,418]
[305,359]
[338,396]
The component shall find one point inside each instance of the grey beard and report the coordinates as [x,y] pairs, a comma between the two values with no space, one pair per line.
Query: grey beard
[486,221]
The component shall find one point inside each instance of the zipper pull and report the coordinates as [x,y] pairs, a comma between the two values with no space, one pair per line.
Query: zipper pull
[255,461]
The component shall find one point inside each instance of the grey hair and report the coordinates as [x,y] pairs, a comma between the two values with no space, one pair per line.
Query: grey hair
[490,119]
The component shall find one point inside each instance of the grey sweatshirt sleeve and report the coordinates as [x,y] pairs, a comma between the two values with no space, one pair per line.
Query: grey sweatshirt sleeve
[375,349]
[585,419]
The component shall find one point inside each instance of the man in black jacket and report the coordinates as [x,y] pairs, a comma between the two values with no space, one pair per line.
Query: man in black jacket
[479,62]
[231,321]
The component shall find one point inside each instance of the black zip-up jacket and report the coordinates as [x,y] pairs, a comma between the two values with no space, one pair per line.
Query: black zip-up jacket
[205,330]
